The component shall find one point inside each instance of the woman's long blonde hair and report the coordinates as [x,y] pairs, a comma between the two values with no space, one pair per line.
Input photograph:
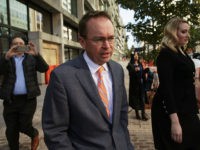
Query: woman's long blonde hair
[170,38]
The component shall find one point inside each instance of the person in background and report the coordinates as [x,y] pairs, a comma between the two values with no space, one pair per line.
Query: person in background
[136,86]
[19,89]
[148,80]
[195,59]
[85,106]
[175,121]
[155,82]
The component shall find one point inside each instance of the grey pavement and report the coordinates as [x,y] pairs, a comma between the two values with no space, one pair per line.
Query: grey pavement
[140,131]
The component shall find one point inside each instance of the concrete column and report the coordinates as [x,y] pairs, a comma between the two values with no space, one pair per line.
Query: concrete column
[58,31]
[62,53]
[35,37]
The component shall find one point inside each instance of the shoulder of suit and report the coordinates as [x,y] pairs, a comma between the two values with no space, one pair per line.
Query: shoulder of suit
[114,66]
[114,63]
[73,64]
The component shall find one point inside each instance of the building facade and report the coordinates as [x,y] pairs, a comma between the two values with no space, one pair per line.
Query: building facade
[53,26]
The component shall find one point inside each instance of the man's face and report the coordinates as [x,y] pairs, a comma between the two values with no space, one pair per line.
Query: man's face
[99,41]
[17,42]
[136,57]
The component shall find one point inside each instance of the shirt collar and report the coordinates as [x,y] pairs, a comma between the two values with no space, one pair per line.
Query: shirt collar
[93,66]
[19,56]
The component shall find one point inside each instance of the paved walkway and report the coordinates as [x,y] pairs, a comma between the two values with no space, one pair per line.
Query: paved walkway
[140,131]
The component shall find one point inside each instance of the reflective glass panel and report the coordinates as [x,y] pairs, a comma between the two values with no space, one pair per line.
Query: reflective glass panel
[3,12]
[18,14]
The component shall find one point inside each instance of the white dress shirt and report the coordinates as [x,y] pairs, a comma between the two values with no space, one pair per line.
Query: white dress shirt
[20,85]
[107,79]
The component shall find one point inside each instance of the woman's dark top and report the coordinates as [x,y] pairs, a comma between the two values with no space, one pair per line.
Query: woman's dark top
[136,86]
[175,94]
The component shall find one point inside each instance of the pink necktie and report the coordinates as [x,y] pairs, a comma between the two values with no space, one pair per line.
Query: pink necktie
[102,90]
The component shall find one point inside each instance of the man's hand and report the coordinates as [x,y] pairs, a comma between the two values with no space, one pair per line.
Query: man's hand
[32,50]
[11,52]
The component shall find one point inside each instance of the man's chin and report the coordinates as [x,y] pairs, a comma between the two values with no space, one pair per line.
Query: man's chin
[105,60]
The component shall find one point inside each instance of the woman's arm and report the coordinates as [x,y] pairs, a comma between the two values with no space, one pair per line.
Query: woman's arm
[176,130]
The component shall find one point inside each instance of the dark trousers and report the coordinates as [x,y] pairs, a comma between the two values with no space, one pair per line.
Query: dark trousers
[18,117]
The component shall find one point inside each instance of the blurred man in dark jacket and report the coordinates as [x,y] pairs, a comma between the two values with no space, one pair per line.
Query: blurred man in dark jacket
[19,90]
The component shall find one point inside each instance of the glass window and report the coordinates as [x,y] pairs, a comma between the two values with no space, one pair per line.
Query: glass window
[66,4]
[46,22]
[70,6]
[75,53]
[4,44]
[22,34]
[67,54]
[71,53]
[74,7]
[3,32]
[86,9]
[4,39]
[67,33]
[74,35]
[40,19]
[70,33]
[18,14]
[3,12]
[36,20]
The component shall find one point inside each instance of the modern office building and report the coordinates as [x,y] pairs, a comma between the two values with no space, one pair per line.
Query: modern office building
[53,26]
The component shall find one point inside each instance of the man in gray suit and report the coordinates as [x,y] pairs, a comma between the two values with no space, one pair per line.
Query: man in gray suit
[75,115]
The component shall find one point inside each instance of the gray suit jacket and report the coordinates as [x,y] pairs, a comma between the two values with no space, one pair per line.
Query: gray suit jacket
[74,117]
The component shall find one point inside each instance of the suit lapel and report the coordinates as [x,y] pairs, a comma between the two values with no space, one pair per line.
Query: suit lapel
[85,78]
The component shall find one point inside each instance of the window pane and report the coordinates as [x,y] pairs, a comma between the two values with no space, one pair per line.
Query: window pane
[36,20]
[4,39]
[40,20]
[74,7]
[75,53]
[23,35]
[3,32]
[70,33]
[66,4]
[4,44]
[74,35]
[3,12]
[67,54]
[18,14]
[71,53]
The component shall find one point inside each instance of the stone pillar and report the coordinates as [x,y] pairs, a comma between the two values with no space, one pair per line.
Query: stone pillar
[35,37]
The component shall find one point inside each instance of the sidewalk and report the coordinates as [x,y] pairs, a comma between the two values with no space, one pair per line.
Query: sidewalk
[140,131]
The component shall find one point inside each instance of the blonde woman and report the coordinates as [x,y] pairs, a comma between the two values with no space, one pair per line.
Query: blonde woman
[175,122]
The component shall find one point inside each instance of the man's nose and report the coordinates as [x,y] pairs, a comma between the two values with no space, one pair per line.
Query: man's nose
[106,43]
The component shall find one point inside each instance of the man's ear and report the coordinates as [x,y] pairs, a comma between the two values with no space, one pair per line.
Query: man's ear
[81,41]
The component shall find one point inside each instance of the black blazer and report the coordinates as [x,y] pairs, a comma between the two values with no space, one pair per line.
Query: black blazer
[176,92]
